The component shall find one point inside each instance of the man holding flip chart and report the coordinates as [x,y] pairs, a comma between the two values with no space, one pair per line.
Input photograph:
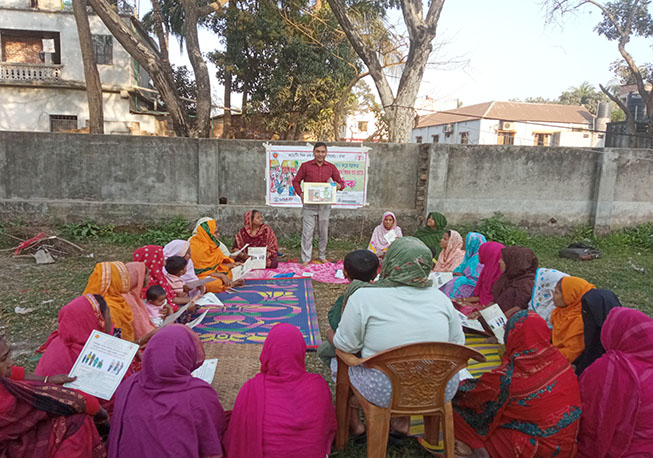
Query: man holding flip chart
[316,171]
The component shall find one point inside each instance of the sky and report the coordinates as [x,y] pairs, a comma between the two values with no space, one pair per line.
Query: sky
[508,49]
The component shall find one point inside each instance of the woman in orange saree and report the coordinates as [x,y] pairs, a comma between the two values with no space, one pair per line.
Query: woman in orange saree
[209,260]
[111,281]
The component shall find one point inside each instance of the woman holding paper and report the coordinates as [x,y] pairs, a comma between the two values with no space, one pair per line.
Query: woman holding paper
[257,234]
[45,420]
[529,406]
[209,260]
[182,248]
[163,410]
[384,234]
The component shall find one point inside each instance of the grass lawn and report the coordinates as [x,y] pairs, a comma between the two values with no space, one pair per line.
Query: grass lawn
[625,268]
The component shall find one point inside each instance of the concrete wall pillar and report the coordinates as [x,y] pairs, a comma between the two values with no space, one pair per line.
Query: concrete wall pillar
[208,171]
[605,191]
[436,183]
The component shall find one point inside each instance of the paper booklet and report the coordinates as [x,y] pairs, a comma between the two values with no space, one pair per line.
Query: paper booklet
[206,371]
[258,256]
[496,320]
[440,278]
[172,318]
[390,236]
[240,271]
[464,374]
[470,324]
[208,299]
[236,253]
[101,365]
[197,320]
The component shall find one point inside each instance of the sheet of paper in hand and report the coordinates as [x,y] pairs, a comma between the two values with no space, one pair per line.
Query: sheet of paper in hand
[206,371]
[390,236]
[208,299]
[257,255]
[236,253]
[320,193]
[102,364]
[197,320]
[440,278]
[172,318]
[470,324]
[240,271]
[496,320]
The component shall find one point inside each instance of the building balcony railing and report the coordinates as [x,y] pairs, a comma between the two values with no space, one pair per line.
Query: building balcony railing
[12,71]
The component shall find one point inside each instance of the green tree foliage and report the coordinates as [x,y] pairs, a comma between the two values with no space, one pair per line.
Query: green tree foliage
[290,63]
[584,94]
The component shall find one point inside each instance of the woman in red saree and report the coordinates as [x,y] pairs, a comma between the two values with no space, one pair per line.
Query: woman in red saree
[39,420]
[154,260]
[527,407]
[77,320]
[284,411]
[257,234]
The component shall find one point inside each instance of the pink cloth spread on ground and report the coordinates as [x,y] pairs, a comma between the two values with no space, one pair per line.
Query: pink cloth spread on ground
[324,273]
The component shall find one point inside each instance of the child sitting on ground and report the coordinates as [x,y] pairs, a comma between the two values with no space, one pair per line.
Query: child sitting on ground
[156,299]
[360,265]
[176,267]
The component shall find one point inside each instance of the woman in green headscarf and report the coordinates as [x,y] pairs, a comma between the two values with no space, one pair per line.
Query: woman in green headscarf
[403,307]
[432,232]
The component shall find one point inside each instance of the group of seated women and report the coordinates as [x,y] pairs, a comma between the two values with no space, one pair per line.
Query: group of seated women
[533,404]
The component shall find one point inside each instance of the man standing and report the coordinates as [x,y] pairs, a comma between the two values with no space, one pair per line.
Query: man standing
[316,171]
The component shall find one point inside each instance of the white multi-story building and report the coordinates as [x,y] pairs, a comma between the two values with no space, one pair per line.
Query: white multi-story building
[511,123]
[42,84]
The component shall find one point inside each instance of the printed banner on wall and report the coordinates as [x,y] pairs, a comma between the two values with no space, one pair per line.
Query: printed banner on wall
[283,161]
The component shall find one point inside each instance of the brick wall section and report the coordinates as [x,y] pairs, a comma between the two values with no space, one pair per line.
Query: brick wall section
[422,178]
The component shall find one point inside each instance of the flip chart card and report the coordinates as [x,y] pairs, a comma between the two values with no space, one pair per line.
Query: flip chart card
[240,271]
[258,256]
[197,283]
[320,193]
[206,371]
[496,320]
[102,364]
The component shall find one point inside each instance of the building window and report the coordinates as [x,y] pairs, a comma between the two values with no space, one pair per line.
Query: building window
[418,139]
[63,123]
[103,45]
[435,138]
[542,139]
[505,138]
[26,47]
[464,138]
[362,126]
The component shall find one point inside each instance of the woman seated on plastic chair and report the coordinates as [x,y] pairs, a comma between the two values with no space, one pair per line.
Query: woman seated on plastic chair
[401,308]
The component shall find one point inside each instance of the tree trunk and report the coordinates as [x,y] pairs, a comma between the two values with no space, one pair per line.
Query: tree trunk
[202,123]
[242,127]
[400,123]
[91,74]
[227,124]
[139,48]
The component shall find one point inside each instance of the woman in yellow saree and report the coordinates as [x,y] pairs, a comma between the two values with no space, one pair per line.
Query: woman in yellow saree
[209,260]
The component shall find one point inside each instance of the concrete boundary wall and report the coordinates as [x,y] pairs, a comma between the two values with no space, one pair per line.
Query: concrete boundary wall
[123,179]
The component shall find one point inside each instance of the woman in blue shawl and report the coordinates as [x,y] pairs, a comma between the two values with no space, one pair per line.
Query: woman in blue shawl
[467,273]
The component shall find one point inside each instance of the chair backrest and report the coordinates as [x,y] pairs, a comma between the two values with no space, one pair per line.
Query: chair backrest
[420,372]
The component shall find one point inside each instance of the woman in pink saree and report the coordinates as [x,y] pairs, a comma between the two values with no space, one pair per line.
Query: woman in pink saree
[617,390]
[142,324]
[284,411]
